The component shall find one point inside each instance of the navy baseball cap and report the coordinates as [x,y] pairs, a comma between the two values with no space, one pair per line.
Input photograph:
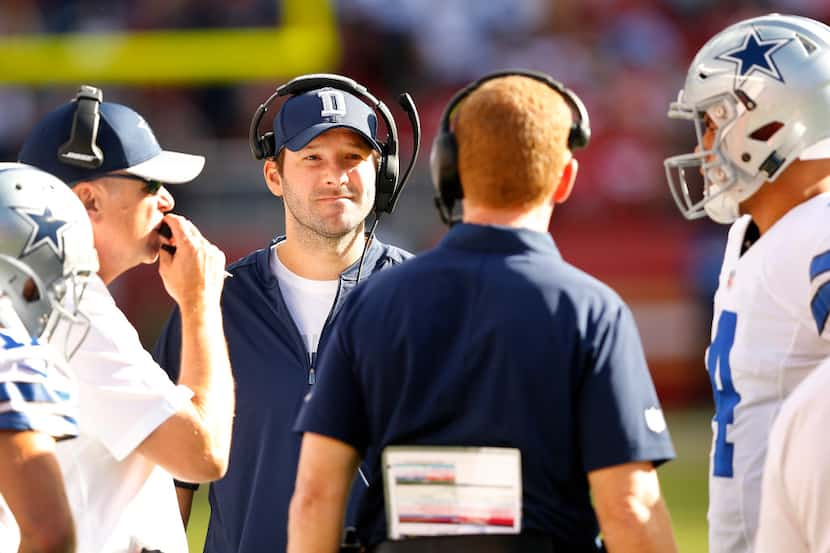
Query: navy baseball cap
[305,116]
[125,139]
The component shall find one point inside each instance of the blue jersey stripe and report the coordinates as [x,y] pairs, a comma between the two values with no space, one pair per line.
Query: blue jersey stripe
[820,306]
[58,426]
[15,420]
[27,367]
[30,391]
[820,264]
[9,342]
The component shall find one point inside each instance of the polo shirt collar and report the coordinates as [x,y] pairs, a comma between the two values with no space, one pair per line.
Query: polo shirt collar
[498,239]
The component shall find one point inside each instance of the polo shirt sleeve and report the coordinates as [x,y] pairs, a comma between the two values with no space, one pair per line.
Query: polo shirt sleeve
[335,405]
[619,416]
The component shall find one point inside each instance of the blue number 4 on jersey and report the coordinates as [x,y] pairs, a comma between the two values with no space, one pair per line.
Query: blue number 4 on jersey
[726,397]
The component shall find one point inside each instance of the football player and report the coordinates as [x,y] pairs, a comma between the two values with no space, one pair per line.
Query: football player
[758,94]
[46,256]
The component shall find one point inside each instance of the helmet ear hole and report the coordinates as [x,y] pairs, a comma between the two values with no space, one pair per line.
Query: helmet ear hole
[30,291]
[764,133]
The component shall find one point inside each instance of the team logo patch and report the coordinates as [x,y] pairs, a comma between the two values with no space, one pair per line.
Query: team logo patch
[655,420]
[755,55]
[333,103]
[46,229]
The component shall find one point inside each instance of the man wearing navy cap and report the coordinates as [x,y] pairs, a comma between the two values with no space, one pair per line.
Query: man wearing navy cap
[279,306]
[136,427]
[511,386]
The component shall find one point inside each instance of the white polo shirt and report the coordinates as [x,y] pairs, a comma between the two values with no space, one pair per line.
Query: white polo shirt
[121,501]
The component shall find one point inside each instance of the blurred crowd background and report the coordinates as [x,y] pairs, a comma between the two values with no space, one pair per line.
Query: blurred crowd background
[625,58]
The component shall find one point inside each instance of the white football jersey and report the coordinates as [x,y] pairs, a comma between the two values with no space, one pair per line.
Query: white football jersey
[768,333]
[36,393]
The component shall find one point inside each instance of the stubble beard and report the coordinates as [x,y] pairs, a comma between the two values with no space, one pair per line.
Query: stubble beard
[319,234]
[333,233]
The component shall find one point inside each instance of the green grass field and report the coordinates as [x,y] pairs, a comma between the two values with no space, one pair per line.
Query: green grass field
[683,481]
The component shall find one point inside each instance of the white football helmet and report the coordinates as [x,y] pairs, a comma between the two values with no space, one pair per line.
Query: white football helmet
[764,83]
[47,253]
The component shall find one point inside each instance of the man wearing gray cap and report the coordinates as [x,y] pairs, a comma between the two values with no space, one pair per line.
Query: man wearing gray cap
[136,427]
[326,162]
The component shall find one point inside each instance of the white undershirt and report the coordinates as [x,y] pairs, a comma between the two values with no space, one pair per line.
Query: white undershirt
[309,301]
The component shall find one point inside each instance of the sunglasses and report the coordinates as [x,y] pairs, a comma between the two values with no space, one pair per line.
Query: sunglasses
[151,186]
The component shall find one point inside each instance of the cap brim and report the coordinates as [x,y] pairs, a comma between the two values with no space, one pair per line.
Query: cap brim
[169,167]
[819,150]
[300,141]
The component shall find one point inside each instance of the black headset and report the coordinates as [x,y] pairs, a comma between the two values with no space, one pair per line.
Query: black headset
[443,159]
[81,150]
[388,186]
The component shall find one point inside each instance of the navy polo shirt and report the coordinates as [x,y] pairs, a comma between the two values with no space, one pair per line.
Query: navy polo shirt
[492,339]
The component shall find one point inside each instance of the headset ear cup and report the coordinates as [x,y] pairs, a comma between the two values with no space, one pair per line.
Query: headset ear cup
[390,181]
[255,141]
[385,182]
[391,171]
[443,161]
[266,145]
[578,138]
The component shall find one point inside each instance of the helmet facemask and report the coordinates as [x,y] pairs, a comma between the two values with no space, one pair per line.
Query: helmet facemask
[67,319]
[28,305]
[706,182]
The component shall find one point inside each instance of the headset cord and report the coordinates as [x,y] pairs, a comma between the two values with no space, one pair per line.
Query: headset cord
[368,243]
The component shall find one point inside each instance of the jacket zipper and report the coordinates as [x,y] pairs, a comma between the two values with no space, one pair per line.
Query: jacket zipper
[312,372]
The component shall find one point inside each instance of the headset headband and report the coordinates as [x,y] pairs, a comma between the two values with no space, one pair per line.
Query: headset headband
[444,156]
[580,133]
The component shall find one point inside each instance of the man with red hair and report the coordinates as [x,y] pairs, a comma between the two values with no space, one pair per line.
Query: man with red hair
[493,344]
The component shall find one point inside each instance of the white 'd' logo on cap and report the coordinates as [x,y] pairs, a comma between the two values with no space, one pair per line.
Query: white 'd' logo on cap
[334,103]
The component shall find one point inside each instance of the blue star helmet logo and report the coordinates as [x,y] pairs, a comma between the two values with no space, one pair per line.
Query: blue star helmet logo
[46,229]
[755,54]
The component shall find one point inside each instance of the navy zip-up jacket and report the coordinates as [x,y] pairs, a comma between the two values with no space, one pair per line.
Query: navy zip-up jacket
[273,372]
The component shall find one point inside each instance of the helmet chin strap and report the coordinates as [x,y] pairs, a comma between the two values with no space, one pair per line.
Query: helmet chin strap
[725,207]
